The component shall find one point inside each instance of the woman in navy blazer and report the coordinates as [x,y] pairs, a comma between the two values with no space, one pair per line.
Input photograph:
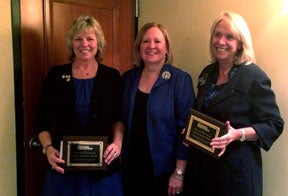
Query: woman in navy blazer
[156,103]
[234,90]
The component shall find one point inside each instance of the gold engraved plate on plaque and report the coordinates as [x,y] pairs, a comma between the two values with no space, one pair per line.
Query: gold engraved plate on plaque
[83,152]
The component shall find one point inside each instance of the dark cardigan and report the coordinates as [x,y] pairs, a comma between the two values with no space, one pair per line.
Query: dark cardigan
[56,112]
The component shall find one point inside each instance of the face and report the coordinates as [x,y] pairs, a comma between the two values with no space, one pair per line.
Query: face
[153,47]
[225,45]
[85,45]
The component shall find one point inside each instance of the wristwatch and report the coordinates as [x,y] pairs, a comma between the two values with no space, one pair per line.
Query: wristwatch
[45,148]
[179,172]
[243,137]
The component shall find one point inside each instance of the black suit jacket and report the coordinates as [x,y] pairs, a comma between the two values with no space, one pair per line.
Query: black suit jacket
[247,100]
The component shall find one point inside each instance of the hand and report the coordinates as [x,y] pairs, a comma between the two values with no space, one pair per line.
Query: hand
[175,184]
[223,141]
[111,153]
[54,159]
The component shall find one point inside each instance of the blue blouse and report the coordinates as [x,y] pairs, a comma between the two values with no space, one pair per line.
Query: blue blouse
[214,89]
[83,91]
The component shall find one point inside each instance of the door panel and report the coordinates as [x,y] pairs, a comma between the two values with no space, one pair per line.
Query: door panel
[116,21]
[44,25]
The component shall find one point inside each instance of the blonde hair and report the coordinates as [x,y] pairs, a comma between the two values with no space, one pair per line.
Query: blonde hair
[86,23]
[137,56]
[242,33]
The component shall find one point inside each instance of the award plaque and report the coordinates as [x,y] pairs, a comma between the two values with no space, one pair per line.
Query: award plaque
[83,152]
[201,129]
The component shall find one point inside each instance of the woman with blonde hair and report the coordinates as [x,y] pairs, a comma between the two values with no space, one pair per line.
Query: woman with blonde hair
[82,98]
[234,90]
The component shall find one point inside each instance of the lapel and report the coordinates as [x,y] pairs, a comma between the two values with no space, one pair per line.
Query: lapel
[226,92]
[166,74]
[238,83]
[66,78]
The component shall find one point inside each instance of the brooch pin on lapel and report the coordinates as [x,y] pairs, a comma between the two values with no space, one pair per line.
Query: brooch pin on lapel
[166,75]
[67,77]
[202,80]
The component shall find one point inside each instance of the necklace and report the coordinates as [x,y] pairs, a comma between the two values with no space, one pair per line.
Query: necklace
[84,71]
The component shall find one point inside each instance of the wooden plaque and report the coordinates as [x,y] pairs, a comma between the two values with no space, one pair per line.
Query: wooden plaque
[201,129]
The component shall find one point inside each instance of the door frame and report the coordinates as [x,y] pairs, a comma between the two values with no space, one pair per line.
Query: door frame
[18,100]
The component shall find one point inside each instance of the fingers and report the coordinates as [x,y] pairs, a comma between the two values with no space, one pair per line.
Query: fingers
[222,152]
[55,161]
[174,193]
[175,185]
[174,190]
[183,131]
[111,153]
[58,168]
[228,125]
[185,144]
[220,143]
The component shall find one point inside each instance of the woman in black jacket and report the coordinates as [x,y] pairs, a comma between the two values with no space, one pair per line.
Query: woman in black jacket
[234,90]
[82,98]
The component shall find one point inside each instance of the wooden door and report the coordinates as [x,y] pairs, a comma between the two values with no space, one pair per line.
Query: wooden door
[44,25]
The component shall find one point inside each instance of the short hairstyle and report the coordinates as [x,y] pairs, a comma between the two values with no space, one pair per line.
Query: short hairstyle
[86,24]
[137,56]
[241,30]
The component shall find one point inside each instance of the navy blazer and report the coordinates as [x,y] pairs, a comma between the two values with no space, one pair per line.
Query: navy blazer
[168,106]
[247,100]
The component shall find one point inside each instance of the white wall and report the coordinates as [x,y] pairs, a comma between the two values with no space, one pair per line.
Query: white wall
[8,180]
[188,23]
